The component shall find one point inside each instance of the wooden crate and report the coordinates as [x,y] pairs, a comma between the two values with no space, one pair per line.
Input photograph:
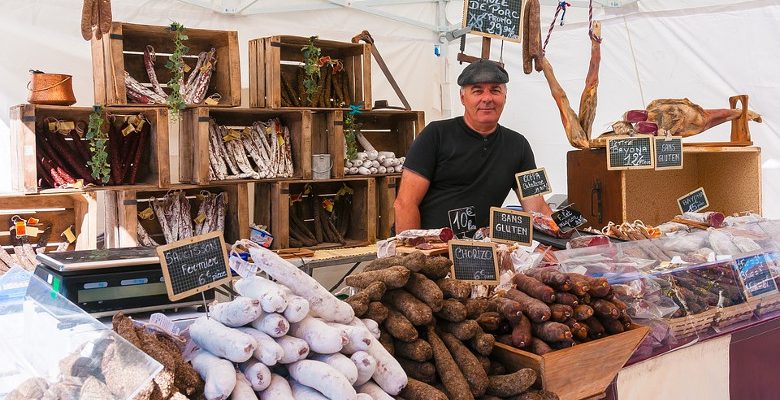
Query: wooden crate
[386,191]
[154,169]
[61,210]
[194,138]
[122,50]
[272,208]
[273,58]
[580,372]
[122,213]
[391,130]
[730,176]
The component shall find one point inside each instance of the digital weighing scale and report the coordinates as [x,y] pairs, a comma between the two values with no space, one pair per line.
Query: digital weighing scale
[104,282]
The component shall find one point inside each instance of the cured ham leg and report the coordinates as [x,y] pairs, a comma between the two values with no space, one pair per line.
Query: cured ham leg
[681,117]
[578,127]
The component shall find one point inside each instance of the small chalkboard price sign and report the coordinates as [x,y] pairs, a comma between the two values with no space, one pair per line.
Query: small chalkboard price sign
[533,183]
[463,221]
[668,153]
[194,265]
[568,218]
[755,275]
[694,201]
[630,152]
[498,19]
[474,262]
[510,226]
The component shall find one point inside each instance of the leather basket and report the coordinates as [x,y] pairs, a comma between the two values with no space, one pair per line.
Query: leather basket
[52,89]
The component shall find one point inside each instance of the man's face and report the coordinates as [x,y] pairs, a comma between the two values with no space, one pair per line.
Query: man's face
[483,102]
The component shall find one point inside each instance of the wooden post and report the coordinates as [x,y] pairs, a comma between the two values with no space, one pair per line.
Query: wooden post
[486,48]
[740,132]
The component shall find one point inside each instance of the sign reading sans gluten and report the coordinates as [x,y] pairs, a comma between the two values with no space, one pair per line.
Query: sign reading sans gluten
[194,265]
[630,152]
[499,19]
[474,262]
[510,226]
[668,153]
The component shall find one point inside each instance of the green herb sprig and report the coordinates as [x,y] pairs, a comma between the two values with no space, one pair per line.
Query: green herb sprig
[98,140]
[175,65]
[351,128]
[311,68]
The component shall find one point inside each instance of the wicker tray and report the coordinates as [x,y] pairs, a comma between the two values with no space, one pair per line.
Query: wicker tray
[766,304]
[692,325]
[731,315]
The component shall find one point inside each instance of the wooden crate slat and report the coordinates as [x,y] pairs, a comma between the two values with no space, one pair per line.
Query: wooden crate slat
[154,168]
[387,190]
[121,50]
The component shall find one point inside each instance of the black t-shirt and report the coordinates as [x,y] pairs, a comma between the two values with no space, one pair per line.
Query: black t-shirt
[466,169]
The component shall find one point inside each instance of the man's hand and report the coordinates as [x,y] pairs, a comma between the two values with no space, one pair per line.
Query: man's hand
[536,204]
[407,202]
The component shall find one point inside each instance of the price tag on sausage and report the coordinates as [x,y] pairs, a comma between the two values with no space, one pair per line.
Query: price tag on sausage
[630,152]
[533,183]
[463,221]
[568,218]
[474,262]
[194,265]
[694,201]
[668,153]
[755,274]
[510,226]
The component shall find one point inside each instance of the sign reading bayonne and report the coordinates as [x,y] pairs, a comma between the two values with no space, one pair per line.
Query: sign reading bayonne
[510,226]
[630,152]
[694,201]
[194,265]
[474,261]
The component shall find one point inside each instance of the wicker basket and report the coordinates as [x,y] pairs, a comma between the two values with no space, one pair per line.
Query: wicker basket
[731,315]
[691,326]
[766,304]
[51,89]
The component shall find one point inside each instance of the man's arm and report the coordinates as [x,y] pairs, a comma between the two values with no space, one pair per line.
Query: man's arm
[407,202]
[536,204]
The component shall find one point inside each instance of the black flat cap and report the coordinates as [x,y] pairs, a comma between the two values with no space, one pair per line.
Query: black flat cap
[483,71]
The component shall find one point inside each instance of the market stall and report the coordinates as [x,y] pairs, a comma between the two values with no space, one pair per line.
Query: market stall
[191,215]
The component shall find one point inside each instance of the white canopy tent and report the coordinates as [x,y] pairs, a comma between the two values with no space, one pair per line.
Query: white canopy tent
[704,50]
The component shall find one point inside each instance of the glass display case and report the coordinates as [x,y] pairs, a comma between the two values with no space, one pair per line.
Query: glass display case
[690,286]
[53,349]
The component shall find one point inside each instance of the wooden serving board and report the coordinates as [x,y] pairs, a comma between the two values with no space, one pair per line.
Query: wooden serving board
[431,252]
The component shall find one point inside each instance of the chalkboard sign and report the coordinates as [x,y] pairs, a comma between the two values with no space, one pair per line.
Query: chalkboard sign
[755,275]
[668,153]
[694,201]
[499,19]
[568,218]
[474,262]
[626,152]
[510,226]
[533,183]
[194,265]
[463,221]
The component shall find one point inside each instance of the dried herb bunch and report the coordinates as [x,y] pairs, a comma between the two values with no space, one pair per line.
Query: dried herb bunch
[176,65]
[98,140]
[311,68]
[351,128]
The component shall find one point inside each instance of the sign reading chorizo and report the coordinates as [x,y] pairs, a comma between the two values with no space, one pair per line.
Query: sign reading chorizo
[474,262]
[630,152]
[694,201]
[194,265]
[533,183]
[510,226]
[493,18]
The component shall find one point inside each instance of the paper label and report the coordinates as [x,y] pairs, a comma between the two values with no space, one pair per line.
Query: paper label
[69,236]
[147,214]
[241,267]
[200,218]
[232,135]
[33,221]
[164,323]
[32,231]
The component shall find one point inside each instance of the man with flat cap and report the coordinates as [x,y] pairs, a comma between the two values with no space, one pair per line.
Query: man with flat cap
[458,168]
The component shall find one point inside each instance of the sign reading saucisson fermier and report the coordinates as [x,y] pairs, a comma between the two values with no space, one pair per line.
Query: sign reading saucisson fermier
[194,265]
